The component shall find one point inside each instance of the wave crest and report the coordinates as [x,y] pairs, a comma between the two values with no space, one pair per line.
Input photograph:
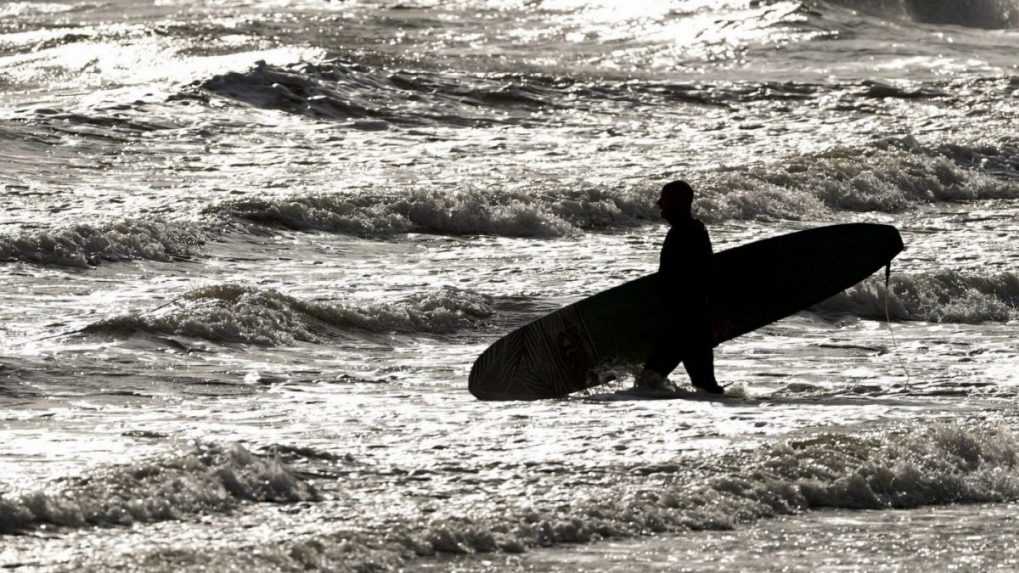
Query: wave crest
[209,479]
[87,245]
[946,296]
[889,177]
[933,465]
[471,212]
[231,313]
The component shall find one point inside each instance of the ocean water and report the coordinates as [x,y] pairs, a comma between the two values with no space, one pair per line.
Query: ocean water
[251,248]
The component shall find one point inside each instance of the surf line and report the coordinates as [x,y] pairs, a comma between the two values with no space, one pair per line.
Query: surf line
[891,331]
[175,300]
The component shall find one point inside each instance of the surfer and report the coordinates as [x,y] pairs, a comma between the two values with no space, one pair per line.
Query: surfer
[684,275]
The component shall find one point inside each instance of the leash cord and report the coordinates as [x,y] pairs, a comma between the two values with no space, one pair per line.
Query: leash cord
[888,321]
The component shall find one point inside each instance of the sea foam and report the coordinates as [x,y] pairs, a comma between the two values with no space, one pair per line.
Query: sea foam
[912,468]
[909,467]
[944,296]
[85,245]
[468,212]
[232,313]
[889,176]
[209,479]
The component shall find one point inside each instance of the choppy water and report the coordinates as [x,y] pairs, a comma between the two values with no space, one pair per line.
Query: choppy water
[252,247]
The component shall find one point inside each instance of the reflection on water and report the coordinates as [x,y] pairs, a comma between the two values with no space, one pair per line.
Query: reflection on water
[250,249]
[963,538]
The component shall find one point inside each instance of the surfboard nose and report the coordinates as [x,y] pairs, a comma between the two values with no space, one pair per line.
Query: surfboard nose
[889,239]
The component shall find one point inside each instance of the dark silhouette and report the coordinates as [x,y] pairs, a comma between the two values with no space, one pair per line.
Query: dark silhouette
[684,275]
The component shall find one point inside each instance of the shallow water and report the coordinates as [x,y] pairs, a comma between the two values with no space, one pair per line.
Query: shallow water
[940,538]
[251,250]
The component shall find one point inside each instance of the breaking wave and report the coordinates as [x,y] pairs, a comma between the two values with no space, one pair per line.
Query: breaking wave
[888,177]
[913,467]
[470,212]
[231,313]
[946,296]
[86,245]
[941,465]
[209,479]
[891,176]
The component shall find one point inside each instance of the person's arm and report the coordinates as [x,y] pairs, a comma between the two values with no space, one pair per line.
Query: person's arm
[669,274]
[709,254]
[705,264]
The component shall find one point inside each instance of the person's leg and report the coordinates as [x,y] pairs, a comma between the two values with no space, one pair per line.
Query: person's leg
[699,360]
[700,365]
[663,360]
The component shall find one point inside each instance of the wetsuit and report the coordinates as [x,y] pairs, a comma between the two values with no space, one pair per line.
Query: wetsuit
[684,276]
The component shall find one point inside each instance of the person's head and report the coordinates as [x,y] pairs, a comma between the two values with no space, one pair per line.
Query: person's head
[676,201]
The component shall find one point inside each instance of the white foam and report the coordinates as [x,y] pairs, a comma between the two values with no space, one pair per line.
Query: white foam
[468,212]
[907,468]
[888,177]
[944,296]
[209,479]
[234,313]
[84,245]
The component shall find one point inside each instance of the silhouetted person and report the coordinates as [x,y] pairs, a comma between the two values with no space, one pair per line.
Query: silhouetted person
[684,276]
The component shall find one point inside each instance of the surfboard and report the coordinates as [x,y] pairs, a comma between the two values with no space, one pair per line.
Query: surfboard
[752,285]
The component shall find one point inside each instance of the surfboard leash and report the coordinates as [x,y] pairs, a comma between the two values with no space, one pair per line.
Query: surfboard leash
[888,321]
